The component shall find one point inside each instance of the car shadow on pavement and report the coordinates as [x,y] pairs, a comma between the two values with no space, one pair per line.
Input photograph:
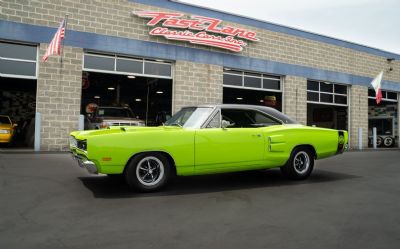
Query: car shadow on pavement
[115,187]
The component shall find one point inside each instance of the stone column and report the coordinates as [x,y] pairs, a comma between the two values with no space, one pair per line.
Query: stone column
[59,88]
[195,84]
[358,115]
[295,98]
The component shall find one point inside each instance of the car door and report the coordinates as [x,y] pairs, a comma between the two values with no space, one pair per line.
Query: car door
[241,145]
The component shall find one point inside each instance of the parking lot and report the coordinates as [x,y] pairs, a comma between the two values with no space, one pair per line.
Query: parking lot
[350,201]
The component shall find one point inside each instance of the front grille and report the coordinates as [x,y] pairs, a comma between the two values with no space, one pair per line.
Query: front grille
[123,124]
[341,141]
[82,145]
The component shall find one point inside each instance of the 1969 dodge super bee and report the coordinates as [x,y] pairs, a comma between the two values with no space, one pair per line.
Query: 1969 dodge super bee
[204,140]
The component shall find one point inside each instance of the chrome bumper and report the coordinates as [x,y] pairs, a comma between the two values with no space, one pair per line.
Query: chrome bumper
[84,163]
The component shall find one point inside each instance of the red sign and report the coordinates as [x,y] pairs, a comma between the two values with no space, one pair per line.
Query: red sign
[207,31]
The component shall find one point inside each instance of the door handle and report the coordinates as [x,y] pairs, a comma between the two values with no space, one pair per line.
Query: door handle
[256,135]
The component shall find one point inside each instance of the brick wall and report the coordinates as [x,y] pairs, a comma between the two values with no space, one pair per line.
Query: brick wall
[59,97]
[196,83]
[358,110]
[295,98]
[113,18]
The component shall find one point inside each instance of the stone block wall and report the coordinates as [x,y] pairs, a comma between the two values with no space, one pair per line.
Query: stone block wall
[196,83]
[295,98]
[114,18]
[59,97]
[358,111]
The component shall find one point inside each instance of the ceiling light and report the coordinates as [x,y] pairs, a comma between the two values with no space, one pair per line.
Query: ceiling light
[131,76]
[239,98]
[96,97]
[111,88]
[138,100]
[159,92]
[261,100]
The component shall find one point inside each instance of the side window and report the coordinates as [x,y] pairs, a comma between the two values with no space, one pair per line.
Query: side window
[262,120]
[215,122]
[247,118]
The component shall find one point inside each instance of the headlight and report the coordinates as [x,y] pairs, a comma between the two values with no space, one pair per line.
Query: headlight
[73,142]
[4,131]
[82,144]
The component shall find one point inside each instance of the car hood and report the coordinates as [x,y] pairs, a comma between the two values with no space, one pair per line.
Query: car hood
[5,126]
[120,129]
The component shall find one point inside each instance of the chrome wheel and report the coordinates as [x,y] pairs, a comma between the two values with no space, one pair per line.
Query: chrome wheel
[301,162]
[150,171]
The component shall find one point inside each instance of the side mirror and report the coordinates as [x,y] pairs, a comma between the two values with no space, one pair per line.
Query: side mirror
[225,124]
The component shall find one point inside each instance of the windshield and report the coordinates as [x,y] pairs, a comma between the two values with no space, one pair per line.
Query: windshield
[4,120]
[190,117]
[114,112]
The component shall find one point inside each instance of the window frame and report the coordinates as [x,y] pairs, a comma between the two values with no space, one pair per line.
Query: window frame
[21,76]
[333,94]
[262,76]
[384,95]
[116,57]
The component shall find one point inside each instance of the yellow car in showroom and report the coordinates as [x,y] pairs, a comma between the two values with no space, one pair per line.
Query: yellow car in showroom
[7,129]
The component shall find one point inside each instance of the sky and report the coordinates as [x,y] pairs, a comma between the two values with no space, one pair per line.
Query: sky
[373,23]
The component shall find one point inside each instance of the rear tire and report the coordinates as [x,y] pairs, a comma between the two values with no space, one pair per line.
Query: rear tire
[148,172]
[300,164]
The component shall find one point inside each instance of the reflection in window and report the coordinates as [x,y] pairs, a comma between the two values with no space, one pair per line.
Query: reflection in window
[215,122]
[157,69]
[233,80]
[18,51]
[130,66]
[22,68]
[99,62]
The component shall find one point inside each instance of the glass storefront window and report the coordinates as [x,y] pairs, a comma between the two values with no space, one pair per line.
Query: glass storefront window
[18,60]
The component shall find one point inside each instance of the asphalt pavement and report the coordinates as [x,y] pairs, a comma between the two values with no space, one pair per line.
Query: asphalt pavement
[350,201]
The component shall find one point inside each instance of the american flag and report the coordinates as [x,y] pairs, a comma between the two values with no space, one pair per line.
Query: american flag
[55,44]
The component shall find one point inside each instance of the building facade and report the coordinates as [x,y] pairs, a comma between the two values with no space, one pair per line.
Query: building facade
[315,79]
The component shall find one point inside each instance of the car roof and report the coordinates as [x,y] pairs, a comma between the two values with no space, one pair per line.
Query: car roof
[238,106]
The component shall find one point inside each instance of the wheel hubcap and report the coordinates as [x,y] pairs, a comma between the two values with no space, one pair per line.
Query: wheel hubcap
[301,162]
[150,171]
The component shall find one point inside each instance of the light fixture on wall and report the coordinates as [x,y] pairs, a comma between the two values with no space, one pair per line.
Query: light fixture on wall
[96,97]
[389,60]
[111,88]
[159,92]
[138,100]
[239,98]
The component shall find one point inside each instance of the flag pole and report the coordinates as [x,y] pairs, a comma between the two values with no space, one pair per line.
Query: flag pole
[62,42]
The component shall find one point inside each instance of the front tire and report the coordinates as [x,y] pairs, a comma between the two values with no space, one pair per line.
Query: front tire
[300,164]
[148,172]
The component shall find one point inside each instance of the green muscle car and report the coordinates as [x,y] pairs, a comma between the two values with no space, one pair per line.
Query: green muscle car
[206,139]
